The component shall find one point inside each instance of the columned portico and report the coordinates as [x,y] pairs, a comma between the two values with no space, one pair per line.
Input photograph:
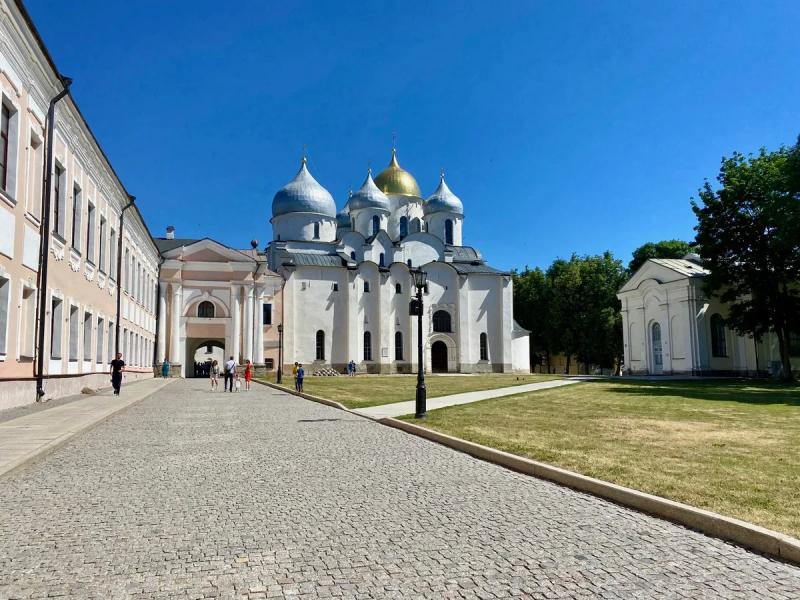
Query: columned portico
[237,324]
[259,328]
[161,352]
[176,347]
[248,324]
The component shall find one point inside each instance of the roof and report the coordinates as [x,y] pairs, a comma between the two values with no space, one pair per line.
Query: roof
[463,253]
[307,259]
[682,266]
[165,245]
[519,328]
[468,268]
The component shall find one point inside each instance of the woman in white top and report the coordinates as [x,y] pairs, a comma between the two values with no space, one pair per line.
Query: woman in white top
[213,374]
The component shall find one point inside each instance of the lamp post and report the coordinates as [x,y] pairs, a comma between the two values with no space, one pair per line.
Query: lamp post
[420,279]
[280,351]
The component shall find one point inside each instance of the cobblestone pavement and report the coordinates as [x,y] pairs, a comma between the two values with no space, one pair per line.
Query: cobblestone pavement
[190,494]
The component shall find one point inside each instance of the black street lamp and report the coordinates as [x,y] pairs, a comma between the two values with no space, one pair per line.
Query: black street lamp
[420,279]
[280,351]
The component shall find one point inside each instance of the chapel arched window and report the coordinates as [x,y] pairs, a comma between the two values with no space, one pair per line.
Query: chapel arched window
[398,346]
[320,345]
[205,309]
[316,231]
[382,260]
[484,347]
[367,345]
[442,322]
[448,231]
[403,227]
[376,224]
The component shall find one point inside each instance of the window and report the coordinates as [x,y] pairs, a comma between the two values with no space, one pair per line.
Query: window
[267,314]
[367,345]
[316,231]
[448,231]
[112,255]
[101,260]
[335,287]
[74,333]
[366,287]
[403,227]
[484,347]
[99,354]
[59,203]
[320,345]
[27,322]
[398,289]
[87,336]
[35,176]
[376,224]
[56,322]
[441,321]
[415,226]
[205,310]
[718,347]
[76,217]
[127,274]
[110,349]
[426,289]
[353,255]
[382,260]
[5,294]
[408,262]
[269,363]
[90,233]
[5,146]
[398,346]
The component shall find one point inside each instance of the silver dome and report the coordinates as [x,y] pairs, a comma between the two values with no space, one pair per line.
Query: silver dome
[368,196]
[443,200]
[303,195]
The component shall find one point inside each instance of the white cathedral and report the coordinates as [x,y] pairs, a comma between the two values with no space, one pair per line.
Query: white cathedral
[348,280]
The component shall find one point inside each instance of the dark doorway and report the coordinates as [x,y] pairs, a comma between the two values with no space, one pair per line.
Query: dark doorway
[439,357]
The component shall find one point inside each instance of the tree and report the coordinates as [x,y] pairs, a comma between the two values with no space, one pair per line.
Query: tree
[532,309]
[749,230]
[662,249]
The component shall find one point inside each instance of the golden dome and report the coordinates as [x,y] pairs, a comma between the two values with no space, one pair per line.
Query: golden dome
[394,180]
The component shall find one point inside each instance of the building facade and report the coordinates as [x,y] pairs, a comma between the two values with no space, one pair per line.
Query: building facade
[670,326]
[348,281]
[87,198]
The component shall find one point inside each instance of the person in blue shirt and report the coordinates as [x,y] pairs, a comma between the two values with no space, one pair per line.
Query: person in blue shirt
[301,373]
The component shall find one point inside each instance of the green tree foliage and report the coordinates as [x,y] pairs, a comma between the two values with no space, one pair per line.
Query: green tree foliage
[662,249]
[749,230]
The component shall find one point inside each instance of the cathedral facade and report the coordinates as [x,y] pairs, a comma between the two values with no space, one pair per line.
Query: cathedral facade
[348,280]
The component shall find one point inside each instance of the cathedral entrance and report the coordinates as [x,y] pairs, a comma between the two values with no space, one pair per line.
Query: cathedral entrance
[439,357]
[206,351]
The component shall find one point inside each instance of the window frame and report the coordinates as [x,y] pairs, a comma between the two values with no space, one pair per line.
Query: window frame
[203,307]
[319,339]
[76,218]
[719,342]
[5,140]
[367,346]
[484,346]
[438,324]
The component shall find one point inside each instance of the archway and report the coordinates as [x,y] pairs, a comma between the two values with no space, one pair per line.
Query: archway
[202,353]
[439,357]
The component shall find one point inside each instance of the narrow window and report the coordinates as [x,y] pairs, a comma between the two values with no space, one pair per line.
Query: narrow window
[366,286]
[320,345]
[56,321]
[316,231]
[59,205]
[74,333]
[205,310]
[5,294]
[353,255]
[87,336]
[441,321]
[382,260]
[90,233]
[408,262]
[376,224]
[415,227]
[127,274]
[335,287]
[35,176]
[76,217]
[112,255]
[100,337]
[718,347]
[110,349]
[267,314]
[5,126]
[403,227]
[101,260]
[28,322]
[448,231]
[398,346]
[398,289]
[484,347]
[367,346]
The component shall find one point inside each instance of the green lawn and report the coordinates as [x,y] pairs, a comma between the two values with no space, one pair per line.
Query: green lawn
[371,390]
[731,447]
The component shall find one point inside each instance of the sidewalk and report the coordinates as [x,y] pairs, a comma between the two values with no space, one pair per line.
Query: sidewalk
[26,437]
[399,409]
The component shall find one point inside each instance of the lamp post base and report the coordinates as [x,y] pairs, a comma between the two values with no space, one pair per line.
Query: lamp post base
[422,394]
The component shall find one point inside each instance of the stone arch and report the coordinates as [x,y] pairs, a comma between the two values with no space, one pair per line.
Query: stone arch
[193,302]
[452,352]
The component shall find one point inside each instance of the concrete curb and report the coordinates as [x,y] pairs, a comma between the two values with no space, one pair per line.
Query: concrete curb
[58,442]
[742,533]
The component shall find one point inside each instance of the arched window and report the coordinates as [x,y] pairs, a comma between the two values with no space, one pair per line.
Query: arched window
[484,347]
[718,347]
[398,346]
[441,321]
[415,226]
[366,286]
[408,262]
[448,231]
[353,255]
[205,309]
[367,345]
[320,345]
[382,260]
[403,227]
[376,224]
[316,231]
[398,289]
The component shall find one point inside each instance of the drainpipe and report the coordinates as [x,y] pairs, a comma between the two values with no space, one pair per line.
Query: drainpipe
[44,237]
[158,313]
[131,200]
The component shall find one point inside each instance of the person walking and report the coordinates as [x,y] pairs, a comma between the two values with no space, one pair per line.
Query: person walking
[230,374]
[117,368]
[248,374]
[165,368]
[301,373]
[213,374]
[294,374]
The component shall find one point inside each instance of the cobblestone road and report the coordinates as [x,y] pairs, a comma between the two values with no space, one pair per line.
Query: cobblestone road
[190,494]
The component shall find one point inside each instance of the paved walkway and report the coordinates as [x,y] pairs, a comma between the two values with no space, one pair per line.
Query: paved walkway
[26,437]
[398,409]
[194,494]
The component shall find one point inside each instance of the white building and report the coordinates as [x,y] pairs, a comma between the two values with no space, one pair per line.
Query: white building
[670,326]
[348,280]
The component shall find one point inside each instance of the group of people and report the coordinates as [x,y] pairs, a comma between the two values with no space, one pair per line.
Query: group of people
[299,374]
[230,373]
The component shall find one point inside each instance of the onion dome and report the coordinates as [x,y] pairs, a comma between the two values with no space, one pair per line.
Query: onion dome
[368,196]
[443,200]
[303,195]
[395,180]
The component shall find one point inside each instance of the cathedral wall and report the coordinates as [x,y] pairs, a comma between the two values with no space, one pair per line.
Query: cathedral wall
[300,226]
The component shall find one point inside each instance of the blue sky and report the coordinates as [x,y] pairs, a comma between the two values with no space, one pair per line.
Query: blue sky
[563,126]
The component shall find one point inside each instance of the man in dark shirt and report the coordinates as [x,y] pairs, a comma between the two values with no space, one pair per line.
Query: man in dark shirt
[117,367]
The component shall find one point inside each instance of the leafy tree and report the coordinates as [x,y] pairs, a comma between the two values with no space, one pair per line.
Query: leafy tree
[749,230]
[532,309]
[662,249]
